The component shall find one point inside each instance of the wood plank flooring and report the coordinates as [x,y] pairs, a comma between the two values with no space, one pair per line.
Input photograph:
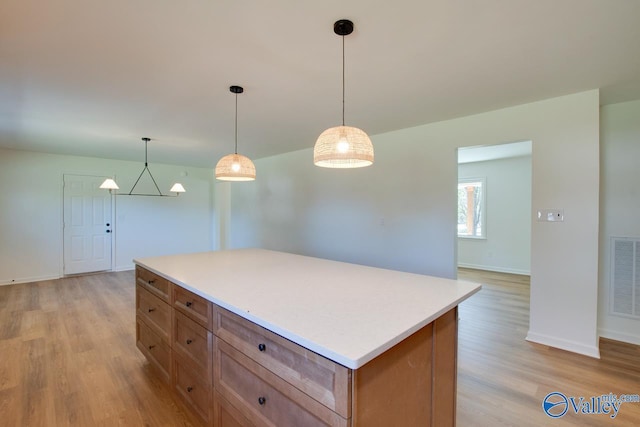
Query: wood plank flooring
[502,379]
[68,357]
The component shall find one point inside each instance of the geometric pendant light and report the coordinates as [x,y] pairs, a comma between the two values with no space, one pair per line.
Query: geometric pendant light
[235,167]
[343,146]
[110,184]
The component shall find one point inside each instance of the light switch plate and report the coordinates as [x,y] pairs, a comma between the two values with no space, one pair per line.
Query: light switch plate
[551,215]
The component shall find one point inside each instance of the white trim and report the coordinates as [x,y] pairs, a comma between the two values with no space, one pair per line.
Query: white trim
[496,269]
[573,346]
[619,336]
[28,280]
[125,267]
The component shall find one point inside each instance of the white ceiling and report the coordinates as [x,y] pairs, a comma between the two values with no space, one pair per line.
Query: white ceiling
[92,77]
[494,152]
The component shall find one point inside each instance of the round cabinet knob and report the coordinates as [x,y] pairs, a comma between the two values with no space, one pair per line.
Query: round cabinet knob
[189,389]
[262,347]
[151,347]
[189,341]
[189,303]
[262,400]
[151,309]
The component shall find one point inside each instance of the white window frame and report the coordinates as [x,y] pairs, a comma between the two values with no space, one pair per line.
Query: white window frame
[483,203]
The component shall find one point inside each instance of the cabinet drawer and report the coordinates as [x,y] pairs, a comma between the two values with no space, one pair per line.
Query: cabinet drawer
[155,349]
[159,286]
[195,393]
[155,312]
[326,381]
[263,397]
[226,415]
[194,306]
[194,343]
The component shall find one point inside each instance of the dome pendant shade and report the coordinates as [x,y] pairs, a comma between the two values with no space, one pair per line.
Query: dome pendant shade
[343,147]
[235,167]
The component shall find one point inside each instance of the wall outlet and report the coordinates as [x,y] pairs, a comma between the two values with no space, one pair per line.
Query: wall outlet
[551,215]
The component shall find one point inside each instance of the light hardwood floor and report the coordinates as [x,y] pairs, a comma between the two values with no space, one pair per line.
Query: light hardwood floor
[68,357]
[502,379]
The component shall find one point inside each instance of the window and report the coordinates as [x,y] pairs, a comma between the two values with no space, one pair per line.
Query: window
[471,208]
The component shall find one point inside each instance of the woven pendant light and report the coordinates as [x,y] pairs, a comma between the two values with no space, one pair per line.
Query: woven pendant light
[343,146]
[235,167]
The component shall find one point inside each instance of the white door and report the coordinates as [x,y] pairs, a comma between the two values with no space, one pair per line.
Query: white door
[87,225]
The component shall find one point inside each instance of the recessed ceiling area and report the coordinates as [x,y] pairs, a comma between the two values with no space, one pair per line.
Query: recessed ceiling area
[91,78]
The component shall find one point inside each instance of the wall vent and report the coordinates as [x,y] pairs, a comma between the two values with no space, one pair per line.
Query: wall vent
[625,276]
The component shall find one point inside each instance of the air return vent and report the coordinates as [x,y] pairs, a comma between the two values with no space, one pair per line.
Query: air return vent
[625,276]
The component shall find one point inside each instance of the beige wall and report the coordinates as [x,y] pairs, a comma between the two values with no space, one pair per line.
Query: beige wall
[401,212]
[31,212]
[620,205]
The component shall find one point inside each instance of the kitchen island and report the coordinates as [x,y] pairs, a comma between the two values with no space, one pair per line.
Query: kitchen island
[258,337]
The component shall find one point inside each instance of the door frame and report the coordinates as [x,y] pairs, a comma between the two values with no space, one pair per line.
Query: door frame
[113,217]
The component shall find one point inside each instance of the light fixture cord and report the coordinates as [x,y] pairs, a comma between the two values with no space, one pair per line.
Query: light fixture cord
[145,153]
[236,123]
[342,80]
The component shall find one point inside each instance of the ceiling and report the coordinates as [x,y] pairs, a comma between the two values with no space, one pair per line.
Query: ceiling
[92,77]
[494,152]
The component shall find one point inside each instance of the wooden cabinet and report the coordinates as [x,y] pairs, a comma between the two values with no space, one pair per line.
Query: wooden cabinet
[231,372]
[157,285]
[194,306]
[173,331]
[264,397]
[154,312]
[193,388]
[155,348]
[324,380]
[194,344]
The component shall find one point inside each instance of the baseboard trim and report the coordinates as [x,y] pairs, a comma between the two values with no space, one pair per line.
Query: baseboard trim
[572,346]
[27,280]
[619,336]
[496,269]
[125,268]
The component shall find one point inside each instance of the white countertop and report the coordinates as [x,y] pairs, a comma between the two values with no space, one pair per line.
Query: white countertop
[348,313]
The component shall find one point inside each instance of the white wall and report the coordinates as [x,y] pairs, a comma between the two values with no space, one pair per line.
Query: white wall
[507,247]
[620,204]
[401,212]
[31,212]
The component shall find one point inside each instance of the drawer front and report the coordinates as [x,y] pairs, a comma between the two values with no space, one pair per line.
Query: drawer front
[155,349]
[226,415]
[158,286]
[262,396]
[155,312]
[196,394]
[194,306]
[324,380]
[194,343]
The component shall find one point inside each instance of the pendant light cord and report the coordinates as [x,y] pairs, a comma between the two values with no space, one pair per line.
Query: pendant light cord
[342,80]
[236,123]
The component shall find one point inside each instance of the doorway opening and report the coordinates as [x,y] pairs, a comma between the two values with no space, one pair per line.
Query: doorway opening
[494,208]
